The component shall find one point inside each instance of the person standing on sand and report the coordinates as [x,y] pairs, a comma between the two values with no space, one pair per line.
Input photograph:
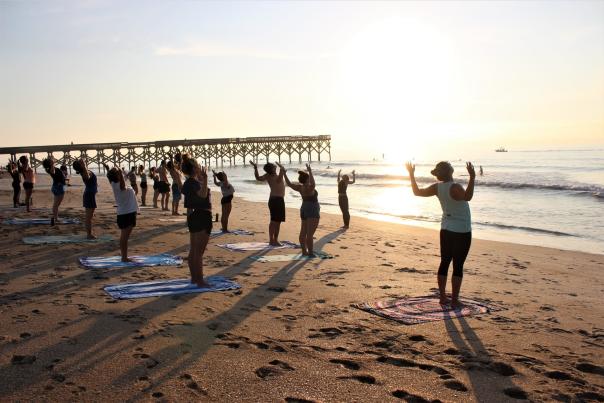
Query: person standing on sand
[14,173]
[163,186]
[57,188]
[343,197]
[90,191]
[127,207]
[310,209]
[199,215]
[227,190]
[143,176]
[456,228]
[132,179]
[276,201]
[155,178]
[29,180]
[174,170]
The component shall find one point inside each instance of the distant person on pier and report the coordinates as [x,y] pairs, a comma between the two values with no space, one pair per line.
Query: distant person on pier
[29,180]
[343,183]
[276,201]
[143,176]
[132,179]
[14,173]
[89,196]
[57,188]
[127,207]
[163,186]
[199,216]
[310,209]
[221,180]
[174,170]
[456,228]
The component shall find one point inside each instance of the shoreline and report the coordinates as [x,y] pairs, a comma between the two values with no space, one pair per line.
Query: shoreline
[290,331]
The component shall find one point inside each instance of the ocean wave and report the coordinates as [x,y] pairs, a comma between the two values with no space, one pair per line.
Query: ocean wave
[482,223]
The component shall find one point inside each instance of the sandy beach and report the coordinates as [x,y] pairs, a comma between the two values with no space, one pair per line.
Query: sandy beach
[290,333]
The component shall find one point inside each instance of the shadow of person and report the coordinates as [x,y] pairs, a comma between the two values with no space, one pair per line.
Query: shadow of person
[490,380]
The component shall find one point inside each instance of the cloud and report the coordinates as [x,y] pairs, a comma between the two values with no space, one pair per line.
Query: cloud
[212,49]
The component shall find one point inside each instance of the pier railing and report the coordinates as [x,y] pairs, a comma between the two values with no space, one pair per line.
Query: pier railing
[216,152]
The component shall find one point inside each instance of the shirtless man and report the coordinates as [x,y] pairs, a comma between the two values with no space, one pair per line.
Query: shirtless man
[163,185]
[276,201]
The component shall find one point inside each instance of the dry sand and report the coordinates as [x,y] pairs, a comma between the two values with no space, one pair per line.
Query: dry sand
[290,334]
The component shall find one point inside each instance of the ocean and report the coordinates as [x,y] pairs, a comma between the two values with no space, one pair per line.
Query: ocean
[552,198]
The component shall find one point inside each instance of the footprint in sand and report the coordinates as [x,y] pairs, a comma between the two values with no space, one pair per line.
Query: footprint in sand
[361,378]
[346,364]
[590,368]
[456,385]
[515,393]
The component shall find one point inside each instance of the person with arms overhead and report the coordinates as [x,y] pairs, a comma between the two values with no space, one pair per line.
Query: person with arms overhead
[276,201]
[227,190]
[343,197]
[14,173]
[29,180]
[127,207]
[89,196]
[57,188]
[310,209]
[456,228]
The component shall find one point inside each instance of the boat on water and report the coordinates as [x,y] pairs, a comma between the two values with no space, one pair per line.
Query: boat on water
[501,150]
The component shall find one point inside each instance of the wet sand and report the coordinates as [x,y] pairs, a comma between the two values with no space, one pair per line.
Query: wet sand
[290,333]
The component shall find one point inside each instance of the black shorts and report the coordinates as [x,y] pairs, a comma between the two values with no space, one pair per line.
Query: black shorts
[28,185]
[226,199]
[200,220]
[155,185]
[126,220]
[90,200]
[276,206]
[143,185]
[163,187]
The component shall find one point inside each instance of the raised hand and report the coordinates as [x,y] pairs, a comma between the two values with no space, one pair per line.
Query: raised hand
[252,163]
[470,169]
[308,167]
[410,168]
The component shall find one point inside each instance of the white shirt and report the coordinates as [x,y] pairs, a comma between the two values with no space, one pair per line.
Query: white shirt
[125,199]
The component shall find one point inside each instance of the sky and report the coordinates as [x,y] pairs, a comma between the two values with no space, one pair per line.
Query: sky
[403,79]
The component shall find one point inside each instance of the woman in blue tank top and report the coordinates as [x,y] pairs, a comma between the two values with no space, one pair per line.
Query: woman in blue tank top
[456,228]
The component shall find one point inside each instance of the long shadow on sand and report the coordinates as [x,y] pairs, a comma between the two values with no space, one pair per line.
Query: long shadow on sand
[102,343]
[489,378]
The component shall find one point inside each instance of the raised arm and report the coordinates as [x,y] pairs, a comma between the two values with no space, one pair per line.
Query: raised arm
[339,172]
[354,179]
[203,179]
[107,169]
[311,178]
[215,181]
[426,192]
[120,175]
[258,177]
[458,193]
[85,173]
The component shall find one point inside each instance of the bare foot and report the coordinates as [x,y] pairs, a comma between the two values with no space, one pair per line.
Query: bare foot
[126,260]
[274,244]
[444,300]
[203,284]
[91,236]
[173,213]
[456,304]
[224,230]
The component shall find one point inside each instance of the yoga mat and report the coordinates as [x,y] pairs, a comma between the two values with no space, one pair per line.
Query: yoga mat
[59,239]
[288,258]
[415,310]
[168,287]
[180,219]
[36,221]
[252,246]
[218,232]
[106,262]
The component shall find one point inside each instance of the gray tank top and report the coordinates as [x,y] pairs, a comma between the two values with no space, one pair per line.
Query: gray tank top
[456,214]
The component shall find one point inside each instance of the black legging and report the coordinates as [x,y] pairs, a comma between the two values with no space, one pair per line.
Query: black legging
[453,246]
[16,193]
[343,201]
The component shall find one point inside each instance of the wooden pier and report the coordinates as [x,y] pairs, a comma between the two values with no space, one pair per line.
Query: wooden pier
[215,152]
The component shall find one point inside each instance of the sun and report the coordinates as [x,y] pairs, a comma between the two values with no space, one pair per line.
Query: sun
[395,81]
